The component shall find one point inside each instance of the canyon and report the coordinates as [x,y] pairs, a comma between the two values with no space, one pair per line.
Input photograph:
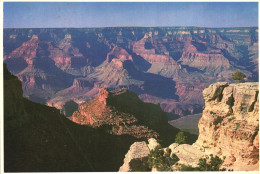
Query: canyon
[65,67]
[119,86]
[37,138]
[47,141]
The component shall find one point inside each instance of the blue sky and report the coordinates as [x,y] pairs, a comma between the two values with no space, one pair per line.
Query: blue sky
[105,14]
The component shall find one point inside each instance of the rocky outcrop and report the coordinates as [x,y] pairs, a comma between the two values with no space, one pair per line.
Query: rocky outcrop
[187,154]
[66,56]
[136,158]
[81,83]
[230,123]
[161,64]
[210,61]
[119,53]
[27,50]
[152,144]
[98,113]
[121,112]
[228,128]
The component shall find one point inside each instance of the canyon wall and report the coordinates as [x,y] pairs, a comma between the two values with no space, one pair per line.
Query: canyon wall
[228,128]
[166,65]
[229,125]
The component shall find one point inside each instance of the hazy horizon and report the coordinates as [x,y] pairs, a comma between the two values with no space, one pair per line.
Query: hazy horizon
[128,27]
[130,14]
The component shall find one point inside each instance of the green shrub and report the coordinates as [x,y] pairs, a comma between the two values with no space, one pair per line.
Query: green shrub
[181,138]
[213,164]
[238,76]
[238,125]
[187,168]
[160,160]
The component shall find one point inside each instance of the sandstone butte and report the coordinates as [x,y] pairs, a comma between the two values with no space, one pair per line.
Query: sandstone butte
[228,128]
[98,112]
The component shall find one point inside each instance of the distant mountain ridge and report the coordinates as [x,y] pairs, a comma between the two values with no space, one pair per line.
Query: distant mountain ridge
[166,65]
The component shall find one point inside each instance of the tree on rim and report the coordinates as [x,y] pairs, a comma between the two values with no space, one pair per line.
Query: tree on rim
[238,76]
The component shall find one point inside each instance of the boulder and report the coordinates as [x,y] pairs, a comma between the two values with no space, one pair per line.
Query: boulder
[188,154]
[136,158]
[153,144]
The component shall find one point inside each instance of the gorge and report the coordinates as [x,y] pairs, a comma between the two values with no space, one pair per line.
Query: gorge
[93,93]
[166,65]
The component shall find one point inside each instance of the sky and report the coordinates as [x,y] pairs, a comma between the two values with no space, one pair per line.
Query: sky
[115,14]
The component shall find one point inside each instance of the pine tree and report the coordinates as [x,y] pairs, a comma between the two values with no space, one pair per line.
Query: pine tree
[238,76]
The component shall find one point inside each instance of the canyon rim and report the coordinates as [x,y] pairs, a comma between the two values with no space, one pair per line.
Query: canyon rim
[111,84]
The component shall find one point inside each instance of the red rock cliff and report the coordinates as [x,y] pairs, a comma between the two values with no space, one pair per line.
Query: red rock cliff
[98,113]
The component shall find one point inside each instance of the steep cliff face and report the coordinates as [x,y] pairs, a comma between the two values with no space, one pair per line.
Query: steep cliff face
[230,123]
[209,61]
[161,63]
[228,128]
[66,56]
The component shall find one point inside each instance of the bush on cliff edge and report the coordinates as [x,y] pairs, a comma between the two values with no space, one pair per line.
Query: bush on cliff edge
[160,160]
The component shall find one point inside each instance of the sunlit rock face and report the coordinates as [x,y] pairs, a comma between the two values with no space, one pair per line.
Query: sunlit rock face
[228,128]
[230,124]
[104,110]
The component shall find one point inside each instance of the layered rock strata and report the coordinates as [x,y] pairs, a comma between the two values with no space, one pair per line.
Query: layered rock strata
[188,58]
[228,128]
[230,124]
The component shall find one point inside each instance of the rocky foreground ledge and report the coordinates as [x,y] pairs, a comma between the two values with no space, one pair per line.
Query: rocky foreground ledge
[228,128]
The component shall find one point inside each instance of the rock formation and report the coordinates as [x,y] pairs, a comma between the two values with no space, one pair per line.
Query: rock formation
[166,65]
[136,158]
[228,128]
[119,53]
[98,112]
[152,144]
[188,154]
[230,123]
[122,112]
[27,50]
